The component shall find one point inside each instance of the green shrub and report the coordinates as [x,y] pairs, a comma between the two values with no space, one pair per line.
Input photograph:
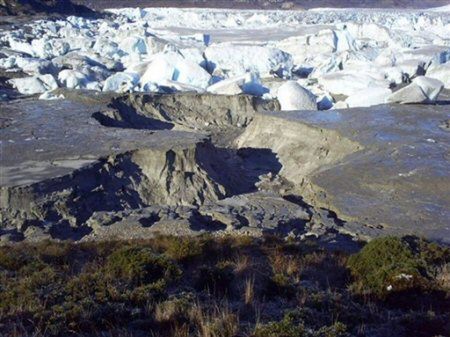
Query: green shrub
[338,329]
[13,259]
[384,265]
[287,327]
[183,248]
[139,265]
[216,279]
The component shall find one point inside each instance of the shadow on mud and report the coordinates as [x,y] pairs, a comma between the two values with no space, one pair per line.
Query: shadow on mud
[122,115]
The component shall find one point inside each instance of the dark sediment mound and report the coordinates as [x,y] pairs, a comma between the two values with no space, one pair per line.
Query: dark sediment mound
[29,7]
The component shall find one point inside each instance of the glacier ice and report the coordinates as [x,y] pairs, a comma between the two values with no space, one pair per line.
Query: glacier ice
[346,58]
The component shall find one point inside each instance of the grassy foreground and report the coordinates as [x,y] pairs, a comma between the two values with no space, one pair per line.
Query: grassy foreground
[224,287]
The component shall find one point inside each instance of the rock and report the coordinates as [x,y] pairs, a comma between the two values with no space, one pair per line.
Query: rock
[430,86]
[292,96]
[34,85]
[368,97]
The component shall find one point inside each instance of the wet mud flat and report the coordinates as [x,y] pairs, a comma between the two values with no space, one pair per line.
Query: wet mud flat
[95,166]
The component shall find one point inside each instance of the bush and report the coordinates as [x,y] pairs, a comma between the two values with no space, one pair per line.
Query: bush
[139,266]
[182,248]
[338,329]
[13,259]
[385,265]
[216,279]
[287,327]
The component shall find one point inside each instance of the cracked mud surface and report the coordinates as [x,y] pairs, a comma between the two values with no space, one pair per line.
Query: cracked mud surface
[99,166]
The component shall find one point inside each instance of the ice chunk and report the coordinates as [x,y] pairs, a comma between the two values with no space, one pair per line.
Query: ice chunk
[441,73]
[407,95]
[121,82]
[344,40]
[73,79]
[368,97]
[35,66]
[292,96]
[411,67]
[107,48]
[20,46]
[133,45]
[348,83]
[249,84]
[174,67]
[48,49]
[230,86]
[34,85]
[234,60]
[430,86]
[49,95]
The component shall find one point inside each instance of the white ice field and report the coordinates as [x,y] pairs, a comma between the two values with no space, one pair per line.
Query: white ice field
[316,59]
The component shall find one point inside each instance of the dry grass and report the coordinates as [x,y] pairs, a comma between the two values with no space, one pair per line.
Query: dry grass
[215,321]
[162,288]
[283,264]
[443,277]
[249,291]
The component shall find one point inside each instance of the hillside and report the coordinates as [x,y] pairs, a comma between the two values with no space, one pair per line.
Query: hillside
[26,7]
[269,4]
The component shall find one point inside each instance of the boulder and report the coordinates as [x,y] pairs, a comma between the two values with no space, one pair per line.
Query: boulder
[292,96]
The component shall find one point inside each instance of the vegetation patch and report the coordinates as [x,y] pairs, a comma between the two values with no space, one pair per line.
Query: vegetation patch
[223,287]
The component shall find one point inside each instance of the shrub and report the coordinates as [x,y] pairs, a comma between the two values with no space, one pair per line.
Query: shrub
[139,265]
[13,259]
[338,329]
[173,310]
[216,279]
[182,248]
[217,321]
[384,265]
[287,327]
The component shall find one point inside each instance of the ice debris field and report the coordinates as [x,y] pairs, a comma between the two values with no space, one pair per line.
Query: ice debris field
[316,59]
